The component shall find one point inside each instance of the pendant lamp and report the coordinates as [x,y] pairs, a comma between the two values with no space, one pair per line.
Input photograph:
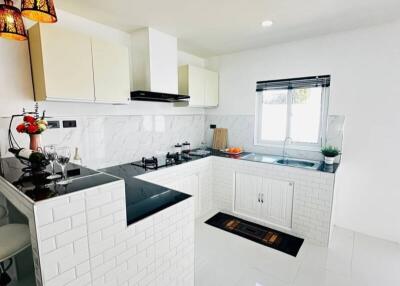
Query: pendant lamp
[42,11]
[11,24]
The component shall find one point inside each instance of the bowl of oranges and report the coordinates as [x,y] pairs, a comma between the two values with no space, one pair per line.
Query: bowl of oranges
[233,150]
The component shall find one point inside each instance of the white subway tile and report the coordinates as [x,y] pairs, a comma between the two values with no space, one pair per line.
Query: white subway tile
[53,229]
[63,278]
[68,210]
[48,245]
[71,235]
[44,215]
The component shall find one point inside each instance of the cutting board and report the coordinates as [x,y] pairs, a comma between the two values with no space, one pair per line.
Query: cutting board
[220,139]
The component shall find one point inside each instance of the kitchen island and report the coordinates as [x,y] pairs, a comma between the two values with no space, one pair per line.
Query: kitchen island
[86,234]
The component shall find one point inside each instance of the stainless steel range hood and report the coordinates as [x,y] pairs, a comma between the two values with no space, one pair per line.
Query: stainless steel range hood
[155,67]
[157,96]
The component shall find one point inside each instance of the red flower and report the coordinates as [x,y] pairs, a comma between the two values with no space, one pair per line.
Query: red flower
[32,129]
[21,128]
[29,119]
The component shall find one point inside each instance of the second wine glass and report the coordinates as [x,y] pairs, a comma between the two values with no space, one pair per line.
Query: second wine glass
[63,156]
[51,155]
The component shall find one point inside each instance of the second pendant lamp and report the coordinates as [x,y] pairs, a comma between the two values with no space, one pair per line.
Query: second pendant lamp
[11,23]
[39,10]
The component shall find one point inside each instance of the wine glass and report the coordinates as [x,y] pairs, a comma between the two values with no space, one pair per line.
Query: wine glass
[51,155]
[63,156]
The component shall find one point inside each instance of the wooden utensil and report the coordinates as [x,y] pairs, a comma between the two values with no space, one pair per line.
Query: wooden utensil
[220,138]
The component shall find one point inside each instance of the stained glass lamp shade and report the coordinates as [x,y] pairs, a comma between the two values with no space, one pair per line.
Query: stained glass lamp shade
[39,10]
[11,24]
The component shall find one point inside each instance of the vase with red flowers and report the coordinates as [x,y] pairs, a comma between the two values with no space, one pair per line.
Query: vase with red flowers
[33,126]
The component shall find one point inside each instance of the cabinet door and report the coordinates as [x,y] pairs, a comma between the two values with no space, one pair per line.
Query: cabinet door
[196,86]
[67,64]
[211,89]
[247,192]
[277,202]
[110,72]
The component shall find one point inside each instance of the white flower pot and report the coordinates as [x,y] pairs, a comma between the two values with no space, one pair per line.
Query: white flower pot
[329,160]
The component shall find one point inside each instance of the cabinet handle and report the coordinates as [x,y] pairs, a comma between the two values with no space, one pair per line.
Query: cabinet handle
[259,200]
[262,198]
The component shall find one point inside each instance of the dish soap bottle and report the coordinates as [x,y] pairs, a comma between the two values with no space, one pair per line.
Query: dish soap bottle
[77,158]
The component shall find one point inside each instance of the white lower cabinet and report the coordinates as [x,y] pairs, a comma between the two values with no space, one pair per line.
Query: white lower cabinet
[189,185]
[247,196]
[264,199]
[194,179]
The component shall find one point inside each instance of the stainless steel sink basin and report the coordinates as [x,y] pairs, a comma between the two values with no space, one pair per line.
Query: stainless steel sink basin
[259,158]
[271,159]
[298,163]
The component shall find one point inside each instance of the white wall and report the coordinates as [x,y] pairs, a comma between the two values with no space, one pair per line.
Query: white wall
[186,58]
[16,89]
[365,69]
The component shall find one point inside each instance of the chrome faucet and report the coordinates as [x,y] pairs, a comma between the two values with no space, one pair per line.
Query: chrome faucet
[287,141]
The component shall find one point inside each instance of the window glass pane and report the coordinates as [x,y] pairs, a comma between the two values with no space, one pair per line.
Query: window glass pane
[306,114]
[274,115]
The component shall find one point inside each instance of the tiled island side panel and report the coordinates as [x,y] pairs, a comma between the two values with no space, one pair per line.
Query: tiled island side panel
[312,200]
[84,240]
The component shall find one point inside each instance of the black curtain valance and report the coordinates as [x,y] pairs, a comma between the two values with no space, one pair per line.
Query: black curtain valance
[291,83]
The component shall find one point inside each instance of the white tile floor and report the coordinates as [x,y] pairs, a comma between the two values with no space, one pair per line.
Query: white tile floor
[224,259]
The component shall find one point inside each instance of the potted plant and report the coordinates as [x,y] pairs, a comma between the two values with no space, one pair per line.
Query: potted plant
[330,152]
[33,126]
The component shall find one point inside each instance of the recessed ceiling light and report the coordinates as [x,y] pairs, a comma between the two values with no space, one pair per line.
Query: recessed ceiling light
[267,23]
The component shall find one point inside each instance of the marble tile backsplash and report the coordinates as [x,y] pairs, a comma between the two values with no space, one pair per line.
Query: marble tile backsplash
[241,133]
[110,140]
[105,141]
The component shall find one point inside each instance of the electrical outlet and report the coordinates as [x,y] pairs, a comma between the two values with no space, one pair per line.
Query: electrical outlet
[53,124]
[69,123]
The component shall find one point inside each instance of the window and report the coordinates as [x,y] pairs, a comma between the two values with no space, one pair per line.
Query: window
[293,109]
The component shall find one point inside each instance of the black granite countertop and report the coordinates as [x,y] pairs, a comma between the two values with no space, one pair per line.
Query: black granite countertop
[143,198]
[37,188]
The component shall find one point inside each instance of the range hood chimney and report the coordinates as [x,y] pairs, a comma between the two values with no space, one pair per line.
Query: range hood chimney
[155,66]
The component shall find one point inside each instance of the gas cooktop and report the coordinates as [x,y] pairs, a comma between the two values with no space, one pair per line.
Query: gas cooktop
[154,163]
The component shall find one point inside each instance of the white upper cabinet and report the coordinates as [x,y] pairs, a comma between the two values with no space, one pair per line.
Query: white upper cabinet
[61,64]
[110,72]
[70,66]
[211,90]
[200,84]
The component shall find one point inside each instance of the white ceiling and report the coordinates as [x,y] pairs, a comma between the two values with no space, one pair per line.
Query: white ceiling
[213,27]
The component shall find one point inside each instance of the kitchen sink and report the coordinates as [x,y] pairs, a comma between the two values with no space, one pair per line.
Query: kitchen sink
[271,159]
[259,158]
[298,163]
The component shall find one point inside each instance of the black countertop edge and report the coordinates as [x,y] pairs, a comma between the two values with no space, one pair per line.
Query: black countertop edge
[37,188]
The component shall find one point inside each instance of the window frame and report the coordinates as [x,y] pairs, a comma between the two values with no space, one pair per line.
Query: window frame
[293,145]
